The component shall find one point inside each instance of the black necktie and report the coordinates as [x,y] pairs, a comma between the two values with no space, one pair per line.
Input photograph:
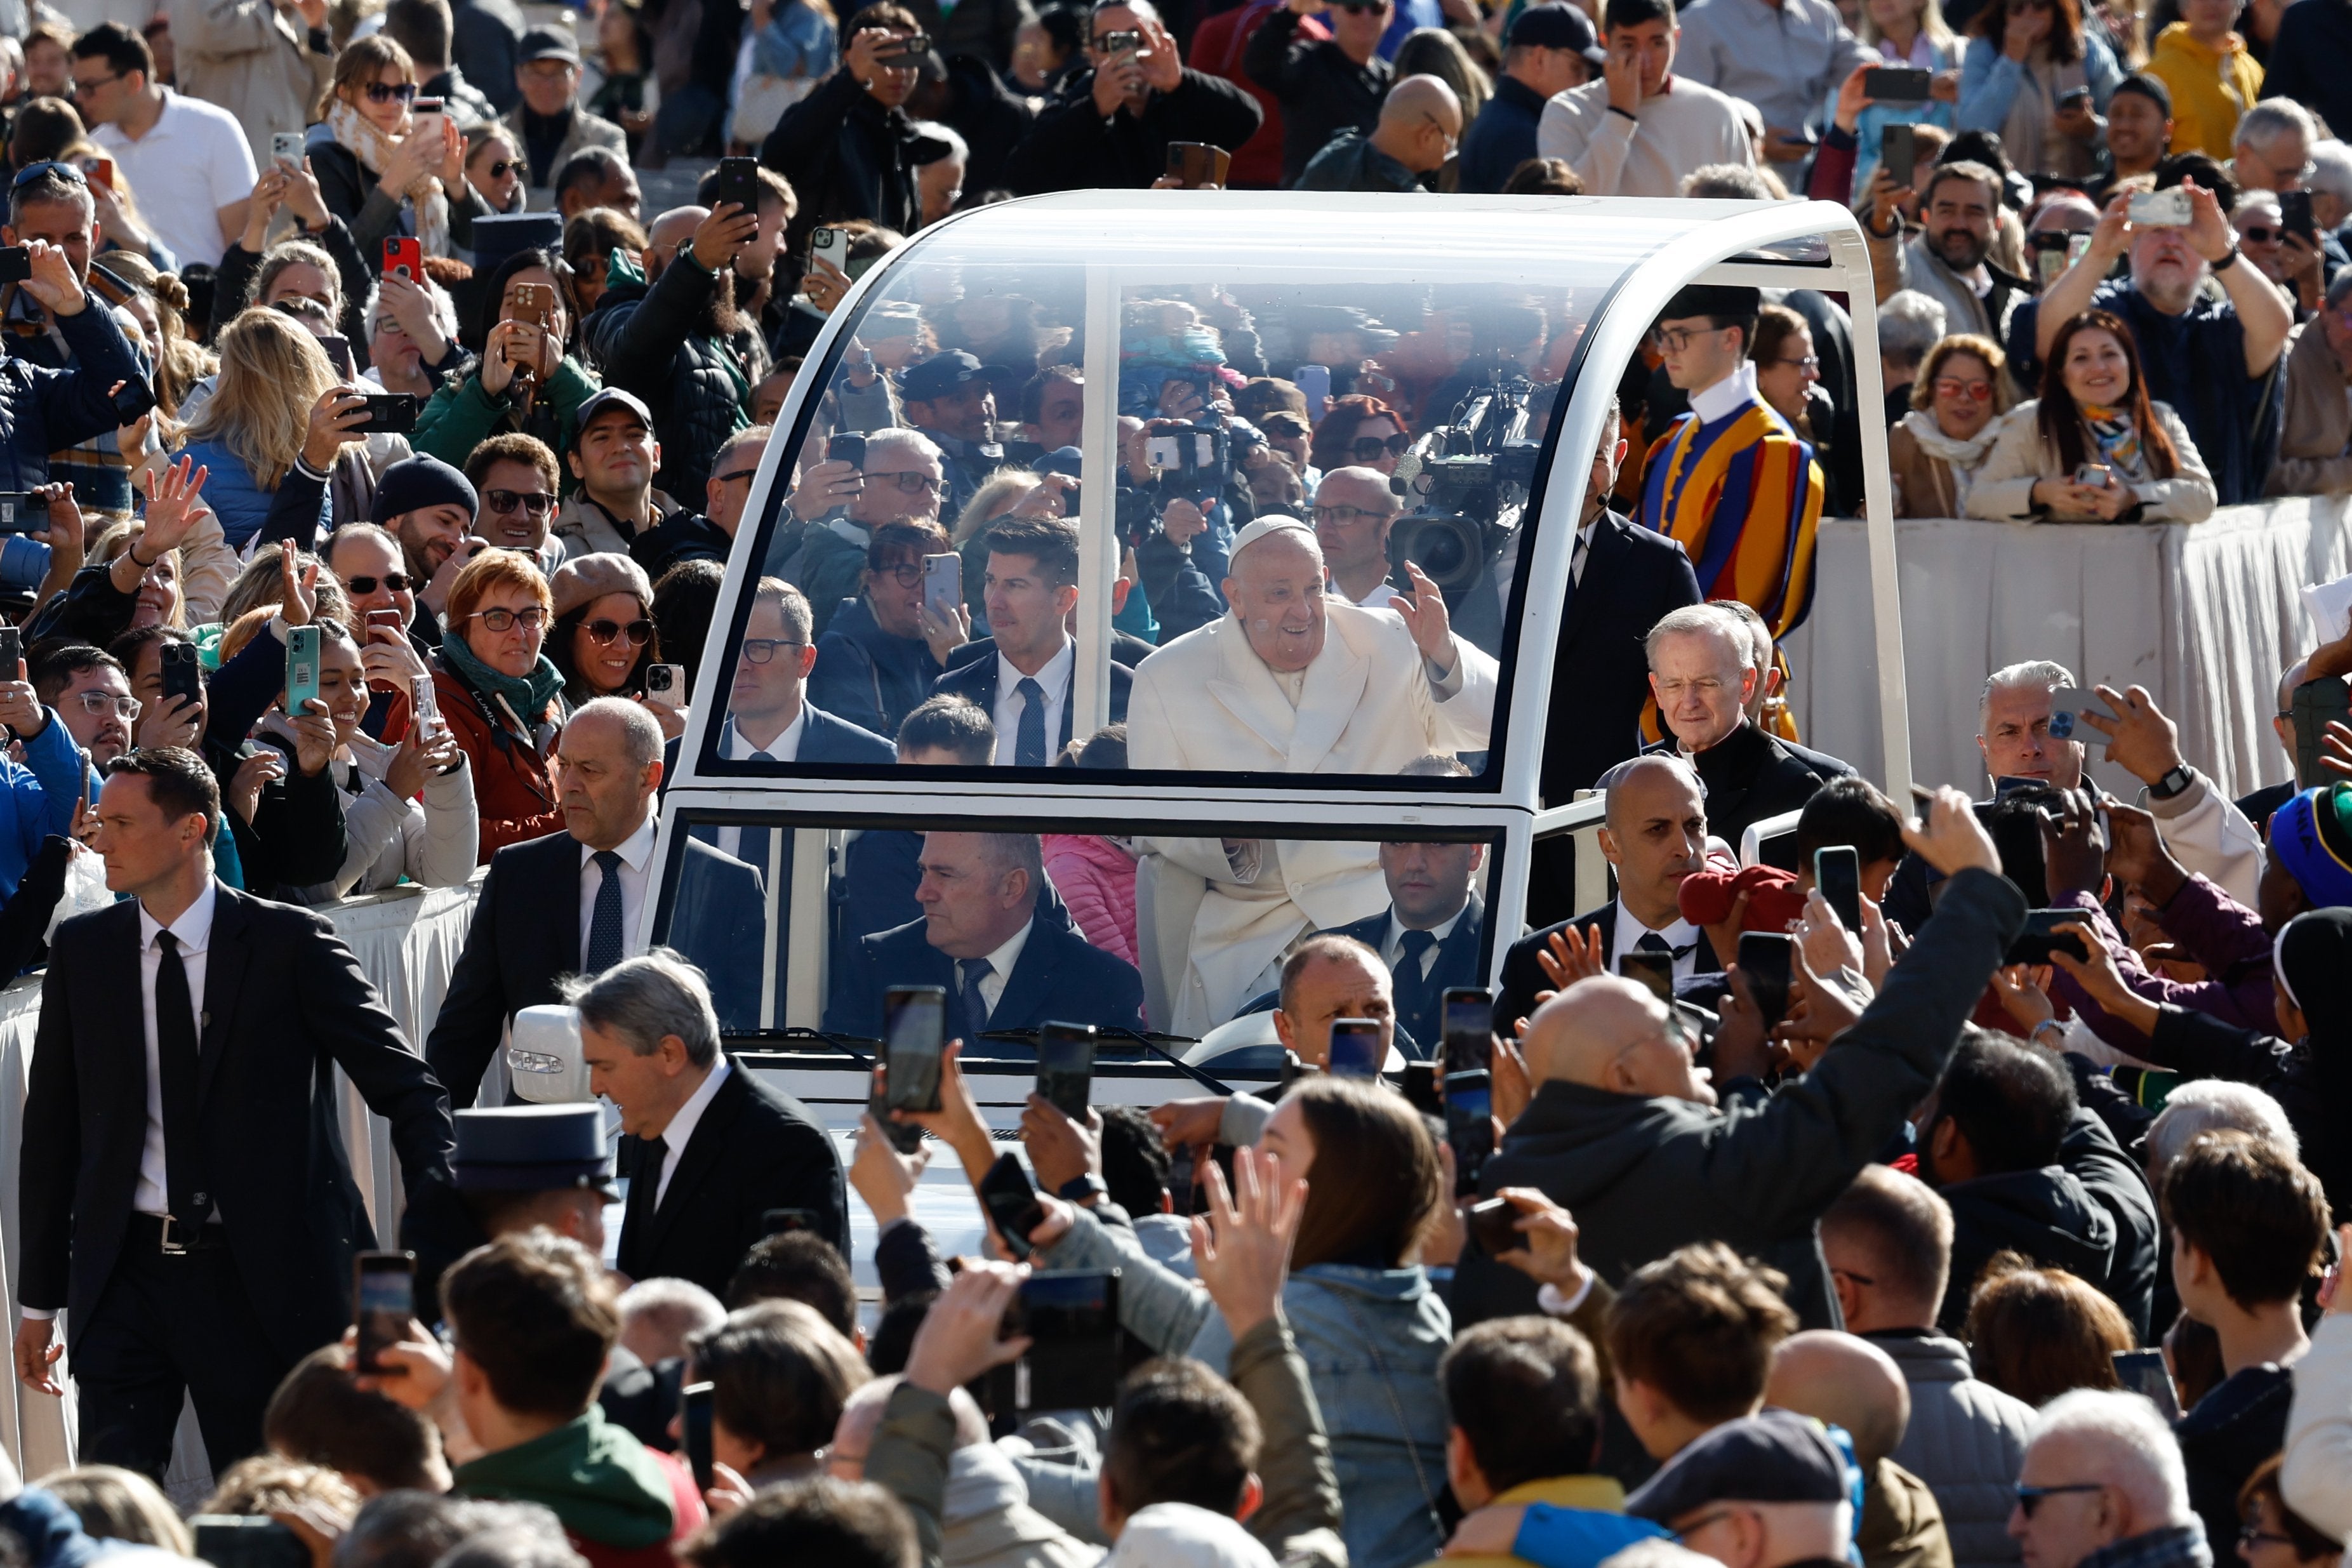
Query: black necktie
[1029,739]
[175,1057]
[645,1189]
[1652,942]
[975,1005]
[604,923]
[1412,983]
[756,841]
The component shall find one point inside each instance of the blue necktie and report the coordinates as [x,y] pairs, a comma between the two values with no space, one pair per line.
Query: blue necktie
[1029,740]
[975,1005]
[604,925]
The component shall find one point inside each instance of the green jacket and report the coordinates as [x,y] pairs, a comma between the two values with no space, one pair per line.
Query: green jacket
[603,1484]
[461,416]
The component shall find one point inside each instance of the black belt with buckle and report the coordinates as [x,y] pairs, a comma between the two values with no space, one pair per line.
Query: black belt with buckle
[173,1236]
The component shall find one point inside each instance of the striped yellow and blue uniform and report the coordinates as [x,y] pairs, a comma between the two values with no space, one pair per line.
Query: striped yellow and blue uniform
[1743,497]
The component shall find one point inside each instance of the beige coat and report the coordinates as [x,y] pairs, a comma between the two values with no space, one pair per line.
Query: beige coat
[253,58]
[2316,438]
[2003,490]
[1212,915]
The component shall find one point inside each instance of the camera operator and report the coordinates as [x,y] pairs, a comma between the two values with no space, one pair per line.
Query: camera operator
[848,148]
[1111,125]
[1180,558]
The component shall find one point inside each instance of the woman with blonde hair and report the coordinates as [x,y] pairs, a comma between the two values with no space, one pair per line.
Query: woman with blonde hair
[378,169]
[1906,34]
[181,361]
[251,431]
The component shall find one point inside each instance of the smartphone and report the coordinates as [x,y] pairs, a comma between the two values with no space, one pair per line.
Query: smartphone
[1897,84]
[181,677]
[286,147]
[2160,209]
[666,683]
[2144,1373]
[2069,702]
[1314,382]
[421,697]
[1764,961]
[1837,872]
[783,1222]
[133,399]
[829,244]
[914,1024]
[2040,938]
[2095,475]
[534,304]
[301,668]
[1012,1204]
[1469,1125]
[2008,785]
[387,620]
[1421,1089]
[694,1431]
[12,653]
[1468,1023]
[2074,95]
[23,512]
[1119,43]
[739,182]
[848,448]
[2295,215]
[403,258]
[1163,452]
[1197,166]
[2050,255]
[943,584]
[1496,1223]
[421,107]
[391,413]
[247,1541]
[2315,703]
[1898,152]
[100,172]
[1066,1067]
[1356,1049]
[383,1299]
[1074,1361]
[339,355]
[904,1136]
[1654,970]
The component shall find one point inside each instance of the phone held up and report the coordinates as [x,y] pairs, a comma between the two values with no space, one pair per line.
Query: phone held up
[1837,872]
[1070,1318]
[384,1300]
[1356,1048]
[301,670]
[1012,1204]
[1066,1067]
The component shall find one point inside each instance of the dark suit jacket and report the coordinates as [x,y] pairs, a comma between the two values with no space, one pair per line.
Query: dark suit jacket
[976,682]
[526,936]
[1632,578]
[825,738]
[1057,976]
[754,1150]
[1749,776]
[1523,976]
[285,1003]
[1456,964]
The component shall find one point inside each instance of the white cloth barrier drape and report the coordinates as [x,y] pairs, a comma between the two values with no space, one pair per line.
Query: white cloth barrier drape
[2204,616]
[407,942]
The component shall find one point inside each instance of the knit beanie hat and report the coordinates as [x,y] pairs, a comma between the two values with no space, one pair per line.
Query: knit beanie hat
[2312,837]
[415,483]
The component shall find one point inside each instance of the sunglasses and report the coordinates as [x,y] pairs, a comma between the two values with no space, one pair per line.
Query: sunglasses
[601,632]
[505,620]
[31,172]
[1371,449]
[760,650]
[2255,234]
[385,92]
[504,166]
[535,502]
[2030,1498]
[1974,391]
[390,582]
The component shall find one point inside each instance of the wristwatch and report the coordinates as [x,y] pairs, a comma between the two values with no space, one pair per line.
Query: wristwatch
[2173,783]
[2227,261]
[1083,1189]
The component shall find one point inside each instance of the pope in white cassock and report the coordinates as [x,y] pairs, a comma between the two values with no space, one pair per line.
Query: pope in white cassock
[1291,679]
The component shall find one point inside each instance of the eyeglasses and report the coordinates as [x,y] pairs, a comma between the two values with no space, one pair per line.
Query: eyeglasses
[1347,516]
[1811,361]
[746,475]
[601,632]
[760,650]
[506,620]
[1974,391]
[78,87]
[2030,1498]
[390,582]
[31,172]
[910,482]
[907,574]
[1372,448]
[1675,340]
[104,702]
[505,166]
[387,92]
[535,502]
[2255,1535]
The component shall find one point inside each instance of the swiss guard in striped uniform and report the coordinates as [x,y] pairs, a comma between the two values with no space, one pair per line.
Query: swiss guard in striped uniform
[1729,480]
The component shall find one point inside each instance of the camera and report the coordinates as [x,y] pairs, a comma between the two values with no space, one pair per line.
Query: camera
[1465,485]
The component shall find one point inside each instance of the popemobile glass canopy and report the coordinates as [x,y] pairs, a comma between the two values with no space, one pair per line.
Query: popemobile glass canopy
[1271,756]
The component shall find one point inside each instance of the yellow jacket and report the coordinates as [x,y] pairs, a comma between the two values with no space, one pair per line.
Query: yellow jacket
[2210,89]
[1598,1494]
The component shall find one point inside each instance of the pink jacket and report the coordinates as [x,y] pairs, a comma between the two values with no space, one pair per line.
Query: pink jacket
[1096,880]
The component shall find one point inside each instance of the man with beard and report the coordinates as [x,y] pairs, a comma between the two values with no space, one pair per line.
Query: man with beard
[677,342]
[432,533]
[2210,359]
[1946,259]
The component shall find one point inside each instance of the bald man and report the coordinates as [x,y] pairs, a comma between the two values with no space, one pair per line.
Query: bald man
[1624,1131]
[1288,680]
[1851,1383]
[1421,119]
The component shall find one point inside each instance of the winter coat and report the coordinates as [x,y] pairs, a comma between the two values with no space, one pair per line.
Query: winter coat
[462,414]
[353,194]
[1097,878]
[697,387]
[389,839]
[2003,490]
[848,157]
[254,59]
[1966,1440]
[1072,147]
[2239,1423]
[870,677]
[514,790]
[235,495]
[44,411]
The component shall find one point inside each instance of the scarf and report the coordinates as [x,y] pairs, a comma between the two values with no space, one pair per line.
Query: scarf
[1962,457]
[357,134]
[529,696]
[2111,432]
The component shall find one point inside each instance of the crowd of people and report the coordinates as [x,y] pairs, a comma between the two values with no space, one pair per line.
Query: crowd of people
[1974,1205]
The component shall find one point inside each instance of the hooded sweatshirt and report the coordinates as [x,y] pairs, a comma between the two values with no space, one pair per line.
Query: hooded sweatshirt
[2211,86]
[620,1502]
[2047,1215]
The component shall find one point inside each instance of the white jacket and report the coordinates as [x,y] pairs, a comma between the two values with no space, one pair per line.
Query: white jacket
[2003,488]
[2317,1479]
[386,837]
[2211,837]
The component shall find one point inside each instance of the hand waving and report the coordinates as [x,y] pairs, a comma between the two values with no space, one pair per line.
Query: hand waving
[1240,1248]
[174,505]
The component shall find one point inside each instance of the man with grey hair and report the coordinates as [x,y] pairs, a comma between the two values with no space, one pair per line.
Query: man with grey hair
[1909,324]
[939,183]
[2213,1104]
[1009,959]
[2270,149]
[2013,726]
[579,902]
[657,1317]
[2103,1486]
[1704,674]
[2315,456]
[412,336]
[903,475]
[708,1149]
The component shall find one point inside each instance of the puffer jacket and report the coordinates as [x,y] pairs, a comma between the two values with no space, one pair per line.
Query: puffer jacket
[44,411]
[848,157]
[1966,1440]
[697,387]
[1098,881]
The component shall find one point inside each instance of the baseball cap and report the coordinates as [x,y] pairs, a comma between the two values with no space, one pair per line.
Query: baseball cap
[1774,1455]
[548,44]
[1556,26]
[609,398]
[939,376]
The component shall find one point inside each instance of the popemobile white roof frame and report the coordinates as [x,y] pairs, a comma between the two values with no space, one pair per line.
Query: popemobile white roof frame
[1142,239]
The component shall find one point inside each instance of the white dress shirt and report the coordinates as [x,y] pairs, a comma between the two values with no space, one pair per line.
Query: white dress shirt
[1682,936]
[637,853]
[999,970]
[1583,548]
[1382,596]
[1055,680]
[736,747]
[1727,397]
[680,1130]
[1392,943]
[194,931]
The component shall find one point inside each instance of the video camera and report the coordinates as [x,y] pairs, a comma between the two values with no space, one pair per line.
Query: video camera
[1465,485]
[1190,460]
